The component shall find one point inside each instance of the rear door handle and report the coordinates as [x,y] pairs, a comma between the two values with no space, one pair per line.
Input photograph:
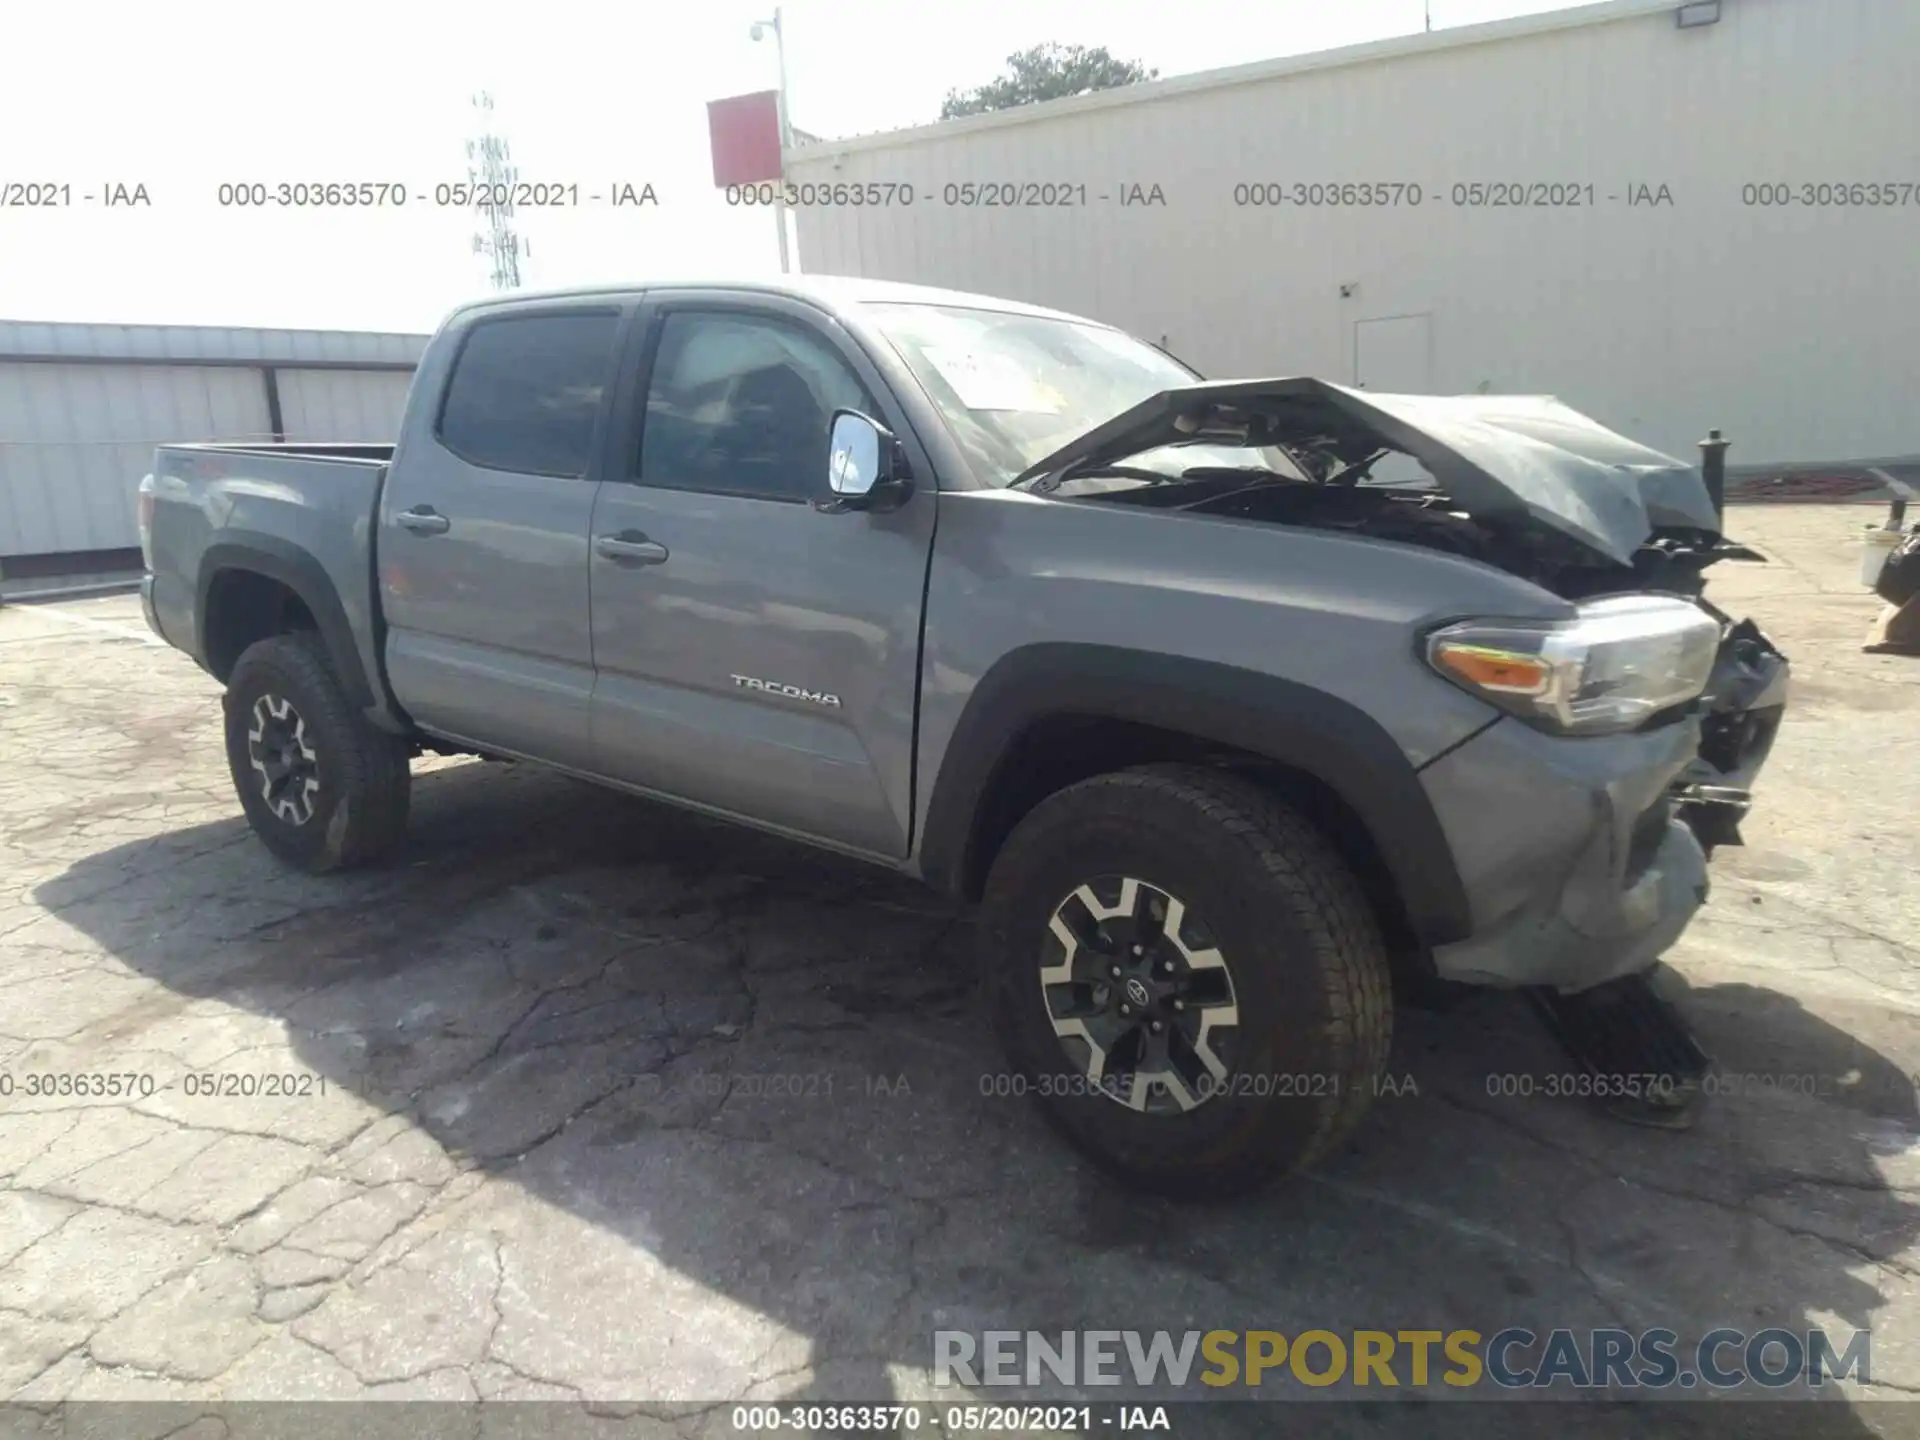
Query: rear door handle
[423,520]
[630,545]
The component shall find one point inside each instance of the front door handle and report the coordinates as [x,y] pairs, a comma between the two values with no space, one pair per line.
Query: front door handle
[423,520]
[630,545]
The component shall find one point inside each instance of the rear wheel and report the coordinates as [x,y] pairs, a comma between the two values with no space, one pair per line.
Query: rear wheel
[322,788]
[1187,976]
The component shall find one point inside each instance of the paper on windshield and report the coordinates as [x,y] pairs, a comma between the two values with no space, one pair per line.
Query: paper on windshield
[987,381]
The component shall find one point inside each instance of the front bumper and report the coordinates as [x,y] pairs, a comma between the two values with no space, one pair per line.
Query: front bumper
[1584,859]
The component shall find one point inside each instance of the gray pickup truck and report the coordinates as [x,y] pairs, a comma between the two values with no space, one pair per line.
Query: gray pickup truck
[1230,702]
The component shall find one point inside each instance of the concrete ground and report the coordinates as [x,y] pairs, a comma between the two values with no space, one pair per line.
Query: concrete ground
[598,1100]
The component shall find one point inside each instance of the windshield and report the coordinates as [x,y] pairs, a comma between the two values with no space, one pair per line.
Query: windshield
[1015,388]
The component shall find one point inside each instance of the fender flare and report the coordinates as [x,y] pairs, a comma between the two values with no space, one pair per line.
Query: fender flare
[1295,725]
[287,563]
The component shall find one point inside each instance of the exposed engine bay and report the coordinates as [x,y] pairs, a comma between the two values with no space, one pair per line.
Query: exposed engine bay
[1673,561]
[1520,482]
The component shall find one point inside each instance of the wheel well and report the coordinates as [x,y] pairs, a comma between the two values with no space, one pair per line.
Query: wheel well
[244,606]
[1062,750]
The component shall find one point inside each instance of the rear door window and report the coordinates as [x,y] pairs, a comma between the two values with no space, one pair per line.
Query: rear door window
[527,391]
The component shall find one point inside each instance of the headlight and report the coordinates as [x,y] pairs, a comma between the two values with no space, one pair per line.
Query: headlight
[1618,662]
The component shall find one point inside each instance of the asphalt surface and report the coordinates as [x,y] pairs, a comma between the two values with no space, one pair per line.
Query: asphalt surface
[598,1101]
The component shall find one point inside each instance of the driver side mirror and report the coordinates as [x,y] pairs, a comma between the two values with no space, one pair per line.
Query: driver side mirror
[866,467]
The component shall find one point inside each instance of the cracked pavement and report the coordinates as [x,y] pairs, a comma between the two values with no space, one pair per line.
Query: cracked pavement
[588,1099]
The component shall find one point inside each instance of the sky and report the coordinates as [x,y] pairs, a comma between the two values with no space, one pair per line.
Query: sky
[186,97]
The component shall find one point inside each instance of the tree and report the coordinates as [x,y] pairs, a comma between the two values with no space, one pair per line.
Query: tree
[1048,72]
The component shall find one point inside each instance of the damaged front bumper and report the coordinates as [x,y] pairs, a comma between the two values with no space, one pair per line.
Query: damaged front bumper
[1749,700]
[1584,859]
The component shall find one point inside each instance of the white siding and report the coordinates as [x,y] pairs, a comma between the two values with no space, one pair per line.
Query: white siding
[75,440]
[1793,329]
[343,404]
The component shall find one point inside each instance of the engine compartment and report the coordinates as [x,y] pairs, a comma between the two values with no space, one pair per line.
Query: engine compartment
[1672,561]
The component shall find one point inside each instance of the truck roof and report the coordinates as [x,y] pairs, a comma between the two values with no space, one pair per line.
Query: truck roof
[834,293]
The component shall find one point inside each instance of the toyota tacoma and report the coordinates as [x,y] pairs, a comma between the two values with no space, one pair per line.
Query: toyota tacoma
[1229,702]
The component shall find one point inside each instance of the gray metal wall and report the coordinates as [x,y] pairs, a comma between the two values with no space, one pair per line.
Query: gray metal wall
[82,406]
[343,404]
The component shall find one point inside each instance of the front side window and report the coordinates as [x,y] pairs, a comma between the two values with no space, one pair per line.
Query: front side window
[742,405]
[526,392]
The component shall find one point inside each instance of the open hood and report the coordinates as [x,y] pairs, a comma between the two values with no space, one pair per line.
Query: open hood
[1496,455]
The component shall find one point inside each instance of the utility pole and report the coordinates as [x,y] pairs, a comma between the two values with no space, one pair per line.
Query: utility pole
[760,28]
[493,174]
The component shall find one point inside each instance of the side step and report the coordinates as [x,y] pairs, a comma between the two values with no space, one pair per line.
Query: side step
[1647,1067]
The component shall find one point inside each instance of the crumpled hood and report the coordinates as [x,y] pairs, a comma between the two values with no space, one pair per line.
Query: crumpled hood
[1497,455]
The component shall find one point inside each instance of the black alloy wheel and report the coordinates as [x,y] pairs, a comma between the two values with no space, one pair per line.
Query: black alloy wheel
[282,755]
[1140,995]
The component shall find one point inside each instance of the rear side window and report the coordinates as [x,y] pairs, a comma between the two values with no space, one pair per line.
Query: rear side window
[526,392]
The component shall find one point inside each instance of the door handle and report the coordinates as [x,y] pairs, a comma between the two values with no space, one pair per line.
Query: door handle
[630,545]
[423,520]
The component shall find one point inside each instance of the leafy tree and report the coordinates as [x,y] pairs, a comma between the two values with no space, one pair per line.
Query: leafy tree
[1048,72]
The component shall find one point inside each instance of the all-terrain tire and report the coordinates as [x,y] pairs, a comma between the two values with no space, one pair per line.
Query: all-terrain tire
[1308,969]
[356,812]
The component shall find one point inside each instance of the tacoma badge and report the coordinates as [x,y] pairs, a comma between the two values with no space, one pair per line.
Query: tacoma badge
[792,692]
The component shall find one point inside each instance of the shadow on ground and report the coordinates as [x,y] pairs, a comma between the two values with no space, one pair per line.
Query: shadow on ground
[739,1117]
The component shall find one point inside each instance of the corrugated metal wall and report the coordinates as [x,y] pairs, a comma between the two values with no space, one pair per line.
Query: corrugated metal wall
[342,404]
[75,440]
[1793,327]
[82,406]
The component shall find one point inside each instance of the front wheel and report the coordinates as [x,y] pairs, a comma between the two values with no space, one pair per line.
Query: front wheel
[322,788]
[1187,976]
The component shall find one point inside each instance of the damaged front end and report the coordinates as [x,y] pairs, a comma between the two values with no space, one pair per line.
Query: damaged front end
[1521,483]
[1745,701]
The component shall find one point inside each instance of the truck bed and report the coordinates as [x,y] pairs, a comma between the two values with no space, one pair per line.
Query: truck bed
[303,514]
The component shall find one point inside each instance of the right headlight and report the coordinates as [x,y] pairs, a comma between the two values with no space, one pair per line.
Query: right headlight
[1618,662]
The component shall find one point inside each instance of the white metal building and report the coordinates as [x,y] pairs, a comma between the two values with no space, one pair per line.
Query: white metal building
[1719,221]
[82,406]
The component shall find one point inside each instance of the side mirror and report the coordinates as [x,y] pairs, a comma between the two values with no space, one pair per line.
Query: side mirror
[866,469]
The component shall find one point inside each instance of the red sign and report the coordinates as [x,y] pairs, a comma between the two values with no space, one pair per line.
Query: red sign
[745,130]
